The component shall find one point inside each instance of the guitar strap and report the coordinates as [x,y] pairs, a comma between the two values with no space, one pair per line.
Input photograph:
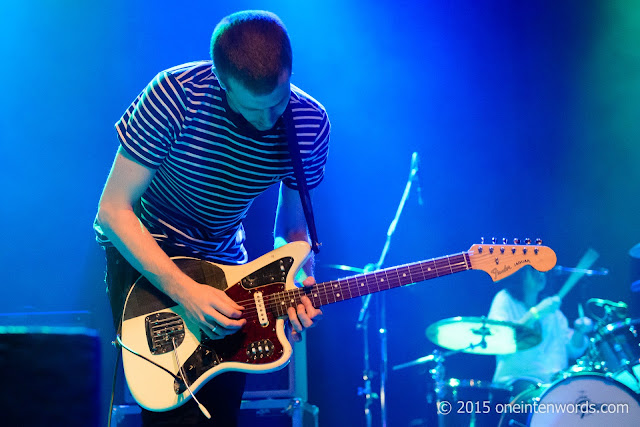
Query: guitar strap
[301,180]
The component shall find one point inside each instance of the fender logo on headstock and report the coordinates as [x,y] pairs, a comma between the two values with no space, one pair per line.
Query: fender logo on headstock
[497,273]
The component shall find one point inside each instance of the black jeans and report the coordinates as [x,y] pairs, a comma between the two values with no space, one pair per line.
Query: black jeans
[221,396]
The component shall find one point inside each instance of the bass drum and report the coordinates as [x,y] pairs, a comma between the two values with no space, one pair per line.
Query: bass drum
[582,399]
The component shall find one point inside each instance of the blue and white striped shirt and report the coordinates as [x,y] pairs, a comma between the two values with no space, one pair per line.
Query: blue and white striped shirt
[211,163]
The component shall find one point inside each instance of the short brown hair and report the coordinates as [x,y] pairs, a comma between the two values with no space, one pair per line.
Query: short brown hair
[253,47]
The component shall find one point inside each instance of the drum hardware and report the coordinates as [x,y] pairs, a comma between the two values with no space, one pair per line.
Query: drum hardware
[594,399]
[615,349]
[363,316]
[457,392]
[475,335]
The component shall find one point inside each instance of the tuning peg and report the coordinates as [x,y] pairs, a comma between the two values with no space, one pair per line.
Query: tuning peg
[516,241]
[504,240]
[494,240]
[482,240]
[527,241]
[538,241]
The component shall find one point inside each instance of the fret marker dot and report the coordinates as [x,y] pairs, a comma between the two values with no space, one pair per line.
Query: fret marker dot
[361,284]
[338,295]
[315,295]
[404,275]
[382,280]
[429,269]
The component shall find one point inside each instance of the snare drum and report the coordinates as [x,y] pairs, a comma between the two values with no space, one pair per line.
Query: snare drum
[618,349]
[472,402]
[582,399]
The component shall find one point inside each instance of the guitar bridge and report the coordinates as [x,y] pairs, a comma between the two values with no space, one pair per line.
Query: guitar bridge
[162,328]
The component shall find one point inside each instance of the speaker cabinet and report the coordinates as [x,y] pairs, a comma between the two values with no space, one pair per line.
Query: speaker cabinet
[50,376]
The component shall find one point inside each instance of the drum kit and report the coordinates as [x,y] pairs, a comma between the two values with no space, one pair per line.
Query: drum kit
[602,388]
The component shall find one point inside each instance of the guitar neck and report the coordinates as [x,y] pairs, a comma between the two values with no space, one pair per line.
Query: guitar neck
[365,284]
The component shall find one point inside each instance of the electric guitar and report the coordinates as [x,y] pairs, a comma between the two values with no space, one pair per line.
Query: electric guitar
[166,357]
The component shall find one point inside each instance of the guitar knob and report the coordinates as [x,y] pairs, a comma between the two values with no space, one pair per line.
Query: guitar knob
[527,241]
[539,241]
[516,241]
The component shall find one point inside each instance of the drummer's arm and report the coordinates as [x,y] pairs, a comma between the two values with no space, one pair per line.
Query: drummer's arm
[529,318]
[502,308]
[544,308]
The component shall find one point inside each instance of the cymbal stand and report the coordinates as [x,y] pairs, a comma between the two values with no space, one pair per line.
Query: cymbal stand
[363,317]
[437,374]
[366,391]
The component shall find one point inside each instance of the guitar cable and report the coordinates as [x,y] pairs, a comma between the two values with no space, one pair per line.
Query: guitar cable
[121,344]
[184,378]
[113,387]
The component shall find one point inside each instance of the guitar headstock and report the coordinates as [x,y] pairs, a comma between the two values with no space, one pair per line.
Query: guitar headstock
[502,260]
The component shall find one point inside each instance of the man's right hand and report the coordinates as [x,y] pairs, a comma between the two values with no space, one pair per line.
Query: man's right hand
[211,309]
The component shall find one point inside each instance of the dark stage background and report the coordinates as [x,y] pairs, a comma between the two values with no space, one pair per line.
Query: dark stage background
[525,116]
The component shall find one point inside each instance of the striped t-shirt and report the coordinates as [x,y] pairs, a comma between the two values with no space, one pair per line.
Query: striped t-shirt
[211,163]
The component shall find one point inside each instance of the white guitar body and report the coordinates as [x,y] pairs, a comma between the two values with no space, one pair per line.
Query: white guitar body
[152,387]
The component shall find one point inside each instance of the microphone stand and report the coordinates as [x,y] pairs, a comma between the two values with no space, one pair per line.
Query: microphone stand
[363,317]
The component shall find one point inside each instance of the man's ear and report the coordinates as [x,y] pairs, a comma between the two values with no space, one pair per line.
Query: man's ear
[220,82]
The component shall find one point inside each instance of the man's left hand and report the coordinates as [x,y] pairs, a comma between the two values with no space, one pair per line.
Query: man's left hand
[305,315]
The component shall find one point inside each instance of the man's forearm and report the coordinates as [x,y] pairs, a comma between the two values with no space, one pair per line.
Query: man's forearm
[140,249]
[307,268]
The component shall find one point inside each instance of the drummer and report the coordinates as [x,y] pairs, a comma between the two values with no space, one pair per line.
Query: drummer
[519,302]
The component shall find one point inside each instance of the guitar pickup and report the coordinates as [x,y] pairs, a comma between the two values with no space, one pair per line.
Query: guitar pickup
[261,309]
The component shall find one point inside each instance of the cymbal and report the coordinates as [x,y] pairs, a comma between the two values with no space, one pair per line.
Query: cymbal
[479,335]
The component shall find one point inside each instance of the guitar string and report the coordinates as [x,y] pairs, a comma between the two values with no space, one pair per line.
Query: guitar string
[368,278]
[326,293]
[409,266]
[412,267]
[327,290]
[324,290]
